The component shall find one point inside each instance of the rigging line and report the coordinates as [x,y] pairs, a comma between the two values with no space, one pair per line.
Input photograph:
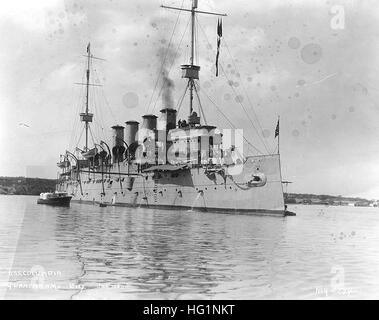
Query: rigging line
[172,63]
[164,59]
[200,106]
[227,119]
[80,137]
[106,102]
[244,109]
[93,100]
[76,126]
[197,37]
[244,88]
[76,106]
[98,109]
[99,125]
[72,104]
[80,106]
[108,105]
[273,145]
[180,102]
[234,127]
[221,67]
[90,131]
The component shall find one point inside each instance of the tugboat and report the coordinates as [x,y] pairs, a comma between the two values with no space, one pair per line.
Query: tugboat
[55,199]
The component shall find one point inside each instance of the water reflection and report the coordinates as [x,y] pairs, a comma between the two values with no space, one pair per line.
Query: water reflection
[115,252]
[152,251]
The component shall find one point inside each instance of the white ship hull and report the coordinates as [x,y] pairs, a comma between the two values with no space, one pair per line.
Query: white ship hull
[188,188]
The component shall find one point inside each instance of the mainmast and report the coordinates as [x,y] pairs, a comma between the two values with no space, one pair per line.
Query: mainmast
[87,88]
[87,117]
[191,71]
[190,80]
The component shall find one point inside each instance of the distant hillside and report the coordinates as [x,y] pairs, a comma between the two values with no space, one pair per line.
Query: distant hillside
[34,186]
[25,186]
[321,198]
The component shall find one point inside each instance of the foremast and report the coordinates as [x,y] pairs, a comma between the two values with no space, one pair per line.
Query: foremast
[87,117]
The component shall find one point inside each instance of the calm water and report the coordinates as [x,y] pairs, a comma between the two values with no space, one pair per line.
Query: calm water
[87,252]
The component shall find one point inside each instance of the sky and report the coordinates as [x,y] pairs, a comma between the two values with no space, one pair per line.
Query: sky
[313,63]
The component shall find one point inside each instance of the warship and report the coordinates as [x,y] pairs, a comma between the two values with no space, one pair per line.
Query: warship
[166,163]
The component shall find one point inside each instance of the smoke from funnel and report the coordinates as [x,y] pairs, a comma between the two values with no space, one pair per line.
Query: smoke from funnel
[168,86]
[168,57]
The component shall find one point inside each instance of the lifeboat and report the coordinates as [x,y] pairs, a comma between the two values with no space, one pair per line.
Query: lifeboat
[89,154]
[63,164]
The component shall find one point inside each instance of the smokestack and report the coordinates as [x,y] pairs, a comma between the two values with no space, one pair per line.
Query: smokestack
[131,129]
[149,121]
[118,135]
[118,148]
[167,119]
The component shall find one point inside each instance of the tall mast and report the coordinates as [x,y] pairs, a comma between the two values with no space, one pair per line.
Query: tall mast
[87,117]
[191,71]
[194,6]
[191,84]
[87,87]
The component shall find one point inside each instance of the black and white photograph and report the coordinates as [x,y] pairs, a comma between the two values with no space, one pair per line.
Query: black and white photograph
[194,150]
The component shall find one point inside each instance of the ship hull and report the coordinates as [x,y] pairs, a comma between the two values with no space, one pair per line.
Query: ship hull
[257,212]
[186,189]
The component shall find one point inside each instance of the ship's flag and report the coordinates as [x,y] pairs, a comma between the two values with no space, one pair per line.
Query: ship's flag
[217,55]
[88,47]
[277,129]
[219,36]
[219,28]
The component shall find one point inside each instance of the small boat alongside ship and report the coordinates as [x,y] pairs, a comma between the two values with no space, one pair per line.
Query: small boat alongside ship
[56,198]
